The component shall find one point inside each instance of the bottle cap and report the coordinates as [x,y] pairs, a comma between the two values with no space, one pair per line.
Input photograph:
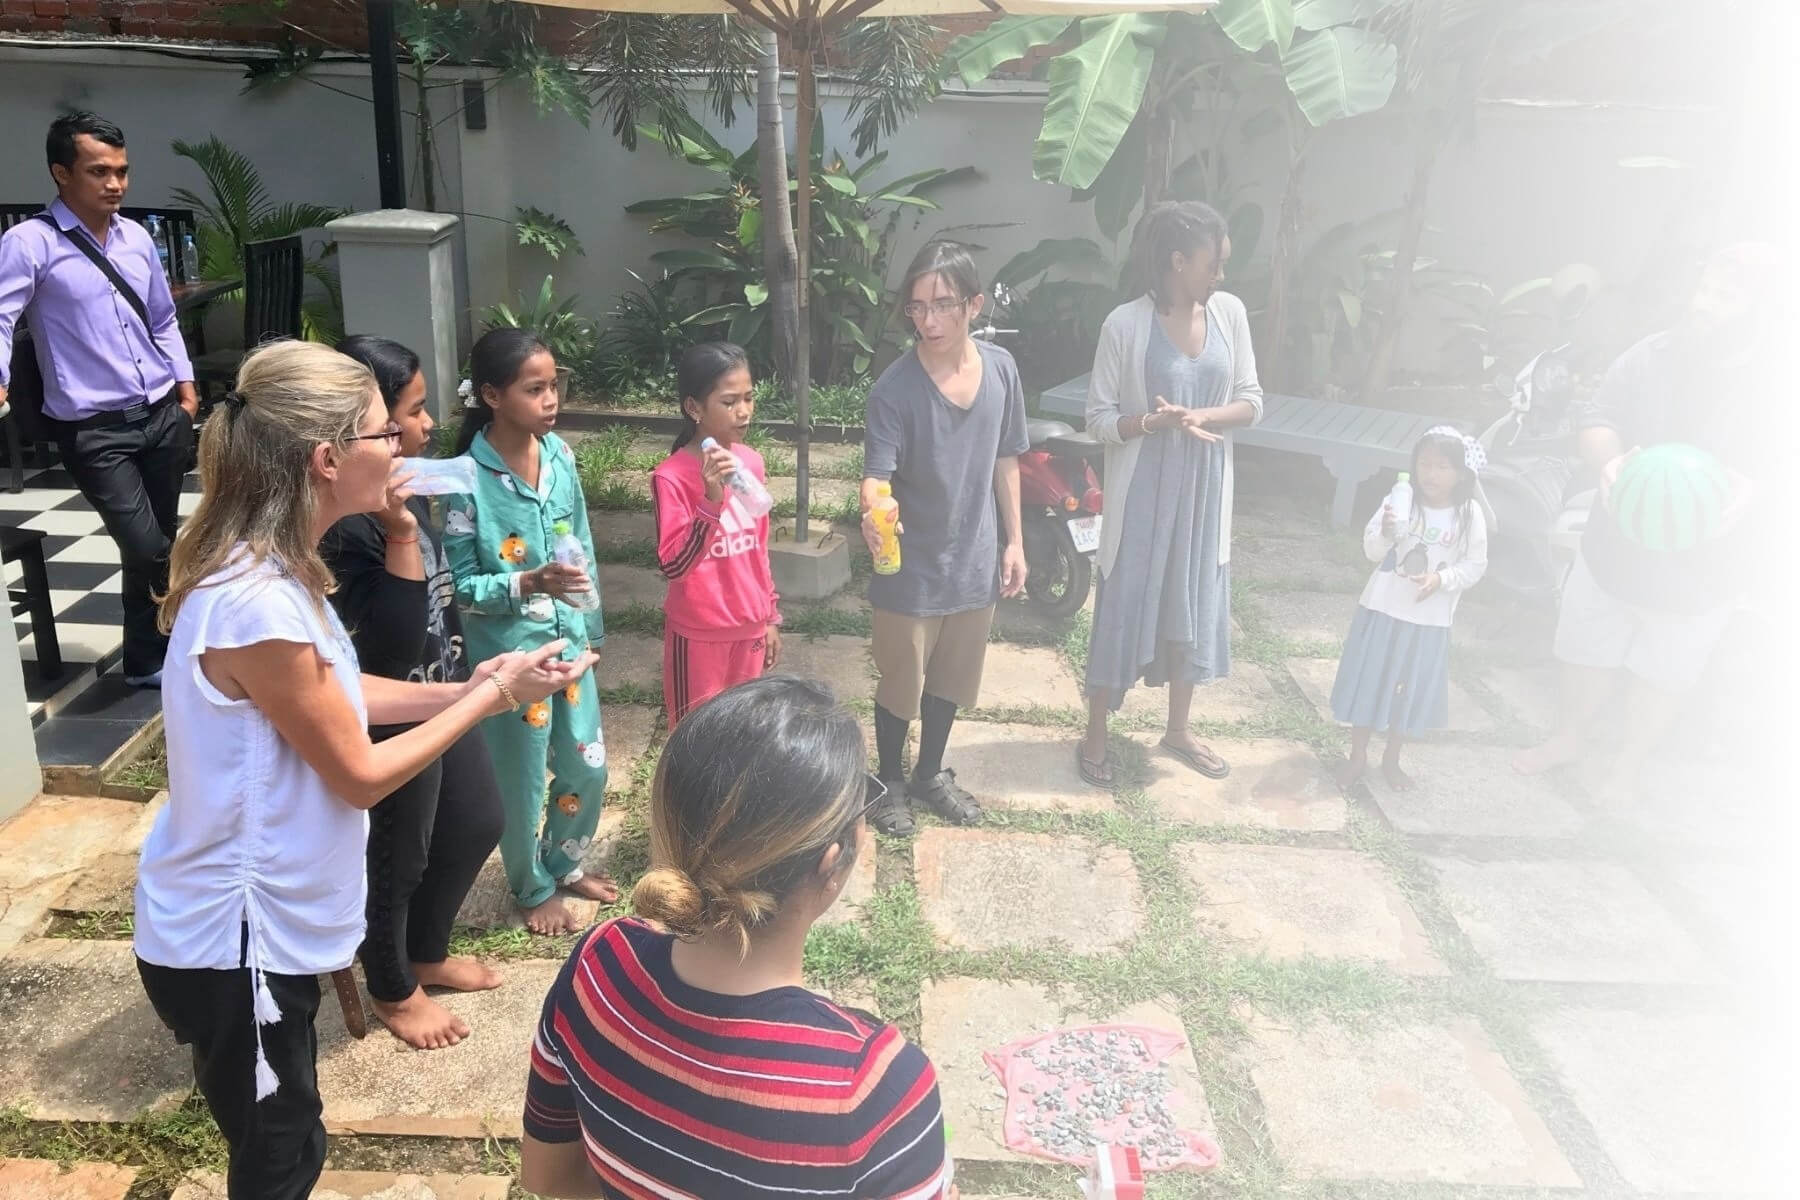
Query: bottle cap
[709,444]
[1404,477]
[561,528]
[884,489]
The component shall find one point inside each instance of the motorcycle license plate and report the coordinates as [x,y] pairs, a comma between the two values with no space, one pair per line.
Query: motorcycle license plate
[1086,532]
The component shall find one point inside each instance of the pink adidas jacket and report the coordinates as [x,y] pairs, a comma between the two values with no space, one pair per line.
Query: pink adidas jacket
[716,559]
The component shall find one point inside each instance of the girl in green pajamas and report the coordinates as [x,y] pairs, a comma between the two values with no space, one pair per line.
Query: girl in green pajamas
[514,597]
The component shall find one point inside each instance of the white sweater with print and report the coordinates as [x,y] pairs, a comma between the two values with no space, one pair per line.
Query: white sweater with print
[1432,541]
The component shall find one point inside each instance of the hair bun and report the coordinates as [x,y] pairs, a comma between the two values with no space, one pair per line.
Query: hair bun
[666,895]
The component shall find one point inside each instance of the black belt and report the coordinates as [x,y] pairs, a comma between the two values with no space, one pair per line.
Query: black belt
[131,414]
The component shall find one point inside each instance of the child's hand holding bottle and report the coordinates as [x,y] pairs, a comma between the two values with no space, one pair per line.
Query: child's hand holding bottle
[716,465]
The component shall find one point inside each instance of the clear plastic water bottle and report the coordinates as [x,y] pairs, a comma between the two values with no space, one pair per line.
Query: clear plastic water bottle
[569,552]
[750,492]
[1400,500]
[190,259]
[154,224]
[441,476]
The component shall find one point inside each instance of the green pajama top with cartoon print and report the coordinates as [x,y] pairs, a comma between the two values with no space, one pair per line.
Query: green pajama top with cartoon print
[491,539]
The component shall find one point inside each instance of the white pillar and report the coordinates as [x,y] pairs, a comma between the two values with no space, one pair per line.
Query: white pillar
[20,778]
[398,269]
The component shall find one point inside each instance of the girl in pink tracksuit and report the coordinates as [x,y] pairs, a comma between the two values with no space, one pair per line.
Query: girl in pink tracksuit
[720,623]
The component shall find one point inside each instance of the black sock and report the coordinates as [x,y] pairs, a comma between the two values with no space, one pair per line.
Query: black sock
[890,746]
[935,718]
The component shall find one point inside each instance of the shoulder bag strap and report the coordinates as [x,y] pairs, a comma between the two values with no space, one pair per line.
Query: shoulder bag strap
[99,259]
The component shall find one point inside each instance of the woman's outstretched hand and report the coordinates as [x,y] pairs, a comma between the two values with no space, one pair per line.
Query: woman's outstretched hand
[532,675]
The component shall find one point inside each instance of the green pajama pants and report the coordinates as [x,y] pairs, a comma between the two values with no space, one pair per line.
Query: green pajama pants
[561,734]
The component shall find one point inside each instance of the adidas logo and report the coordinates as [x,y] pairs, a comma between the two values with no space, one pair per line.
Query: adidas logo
[728,545]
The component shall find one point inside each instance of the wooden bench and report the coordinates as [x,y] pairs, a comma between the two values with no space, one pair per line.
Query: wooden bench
[33,595]
[1352,441]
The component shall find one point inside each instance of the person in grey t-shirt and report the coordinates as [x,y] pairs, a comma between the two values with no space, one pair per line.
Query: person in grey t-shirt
[945,429]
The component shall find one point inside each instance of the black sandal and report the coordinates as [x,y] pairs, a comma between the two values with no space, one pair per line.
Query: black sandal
[1103,774]
[947,799]
[891,816]
[1218,768]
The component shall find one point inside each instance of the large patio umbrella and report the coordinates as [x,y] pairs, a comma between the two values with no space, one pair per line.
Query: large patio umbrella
[806,24]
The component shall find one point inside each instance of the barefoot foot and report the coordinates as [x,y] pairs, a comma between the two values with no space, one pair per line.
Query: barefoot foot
[1397,779]
[421,1022]
[1558,751]
[550,918]
[595,887]
[457,974]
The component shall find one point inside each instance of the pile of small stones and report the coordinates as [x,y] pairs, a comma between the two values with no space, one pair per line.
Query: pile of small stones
[1104,1087]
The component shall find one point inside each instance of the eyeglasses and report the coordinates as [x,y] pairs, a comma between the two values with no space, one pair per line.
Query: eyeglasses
[943,307]
[391,434]
[877,793]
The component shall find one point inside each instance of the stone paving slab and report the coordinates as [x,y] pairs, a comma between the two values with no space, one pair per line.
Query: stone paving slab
[46,844]
[857,890]
[1529,693]
[623,586]
[1015,676]
[1243,695]
[963,1018]
[40,1179]
[1273,784]
[630,658]
[473,1089]
[1320,617]
[982,890]
[1399,1103]
[489,904]
[1023,766]
[630,729]
[78,1037]
[108,883]
[367,1185]
[621,528]
[840,662]
[1316,675]
[1675,1099]
[1472,791]
[1289,902]
[1567,922]
[1288,560]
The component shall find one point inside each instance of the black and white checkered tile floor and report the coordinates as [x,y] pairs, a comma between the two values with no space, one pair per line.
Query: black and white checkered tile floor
[84,574]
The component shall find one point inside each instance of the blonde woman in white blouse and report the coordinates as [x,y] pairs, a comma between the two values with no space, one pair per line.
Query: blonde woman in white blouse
[251,882]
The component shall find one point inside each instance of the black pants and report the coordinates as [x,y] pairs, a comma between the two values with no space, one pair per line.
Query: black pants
[427,842]
[131,474]
[277,1143]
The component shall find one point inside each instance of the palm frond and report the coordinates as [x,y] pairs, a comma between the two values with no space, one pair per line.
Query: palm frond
[893,68]
[726,50]
[636,62]
[239,198]
[287,219]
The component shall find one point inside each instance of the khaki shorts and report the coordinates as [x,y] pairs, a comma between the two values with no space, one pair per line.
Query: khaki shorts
[1666,650]
[939,656]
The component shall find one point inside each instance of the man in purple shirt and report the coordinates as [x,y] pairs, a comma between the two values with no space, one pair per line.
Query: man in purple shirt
[118,388]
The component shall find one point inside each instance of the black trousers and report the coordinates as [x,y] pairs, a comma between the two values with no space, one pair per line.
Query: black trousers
[427,842]
[277,1143]
[131,474]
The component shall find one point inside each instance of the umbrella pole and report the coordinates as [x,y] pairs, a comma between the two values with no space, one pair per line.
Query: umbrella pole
[805,113]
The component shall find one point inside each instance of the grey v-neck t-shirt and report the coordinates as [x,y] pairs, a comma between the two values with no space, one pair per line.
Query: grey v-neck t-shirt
[939,459]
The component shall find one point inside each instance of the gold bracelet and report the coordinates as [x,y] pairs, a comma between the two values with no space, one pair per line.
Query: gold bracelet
[506,693]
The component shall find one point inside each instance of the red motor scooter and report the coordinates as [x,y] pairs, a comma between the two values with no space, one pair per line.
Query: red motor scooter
[1059,506]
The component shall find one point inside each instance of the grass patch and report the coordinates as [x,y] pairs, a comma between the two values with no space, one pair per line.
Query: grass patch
[635,618]
[106,926]
[630,693]
[509,945]
[163,1148]
[149,770]
[615,494]
[822,620]
[639,553]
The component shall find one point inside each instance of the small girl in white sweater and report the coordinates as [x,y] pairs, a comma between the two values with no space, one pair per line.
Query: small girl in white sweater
[1394,675]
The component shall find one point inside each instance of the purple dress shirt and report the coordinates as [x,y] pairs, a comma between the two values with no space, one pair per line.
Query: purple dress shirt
[94,352]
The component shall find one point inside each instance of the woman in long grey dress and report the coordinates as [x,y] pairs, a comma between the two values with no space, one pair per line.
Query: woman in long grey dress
[1174,373]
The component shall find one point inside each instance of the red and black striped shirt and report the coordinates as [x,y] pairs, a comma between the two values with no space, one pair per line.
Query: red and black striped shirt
[678,1092]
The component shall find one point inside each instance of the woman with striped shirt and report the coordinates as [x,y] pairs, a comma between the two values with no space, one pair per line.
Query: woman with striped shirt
[691,1060]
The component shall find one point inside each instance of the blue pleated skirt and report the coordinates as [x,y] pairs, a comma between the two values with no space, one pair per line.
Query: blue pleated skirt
[1393,675]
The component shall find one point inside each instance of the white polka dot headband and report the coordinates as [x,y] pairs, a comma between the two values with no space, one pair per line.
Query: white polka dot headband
[1474,456]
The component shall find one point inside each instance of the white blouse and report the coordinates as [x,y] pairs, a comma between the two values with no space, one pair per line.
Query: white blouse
[252,837]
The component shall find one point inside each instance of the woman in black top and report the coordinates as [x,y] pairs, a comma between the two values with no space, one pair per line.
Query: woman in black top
[428,840]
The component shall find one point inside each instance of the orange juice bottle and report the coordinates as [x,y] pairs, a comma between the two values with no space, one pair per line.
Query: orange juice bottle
[886,515]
